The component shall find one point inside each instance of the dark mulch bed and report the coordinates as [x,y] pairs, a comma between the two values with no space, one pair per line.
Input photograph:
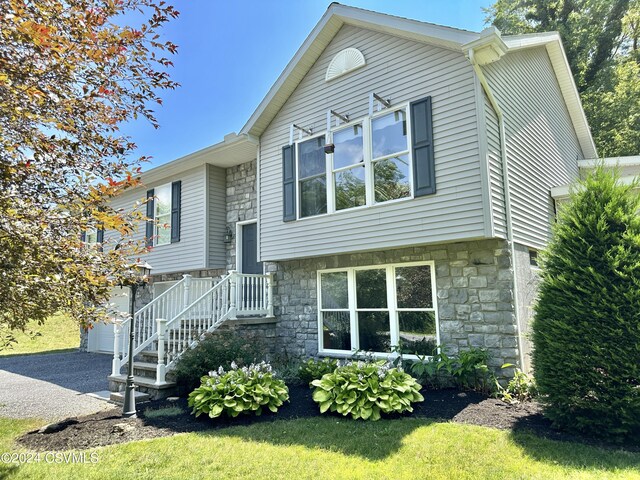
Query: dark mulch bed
[108,427]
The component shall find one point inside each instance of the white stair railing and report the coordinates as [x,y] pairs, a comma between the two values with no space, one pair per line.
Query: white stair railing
[166,305]
[177,319]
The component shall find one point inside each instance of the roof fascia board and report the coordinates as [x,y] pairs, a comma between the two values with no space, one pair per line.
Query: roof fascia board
[279,83]
[440,35]
[570,93]
[197,158]
[631,161]
[553,43]
[563,191]
[339,15]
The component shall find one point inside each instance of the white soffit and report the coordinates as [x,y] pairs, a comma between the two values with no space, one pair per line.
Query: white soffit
[233,150]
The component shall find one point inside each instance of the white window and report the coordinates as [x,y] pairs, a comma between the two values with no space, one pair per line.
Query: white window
[390,156]
[370,164]
[91,236]
[378,309]
[312,179]
[162,214]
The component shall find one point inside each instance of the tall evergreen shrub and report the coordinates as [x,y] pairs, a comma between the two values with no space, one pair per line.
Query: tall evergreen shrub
[586,331]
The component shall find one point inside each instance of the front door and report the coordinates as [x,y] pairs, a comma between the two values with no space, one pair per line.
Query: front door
[250,263]
[252,295]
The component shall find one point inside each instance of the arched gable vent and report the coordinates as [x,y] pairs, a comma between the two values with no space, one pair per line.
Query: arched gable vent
[344,62]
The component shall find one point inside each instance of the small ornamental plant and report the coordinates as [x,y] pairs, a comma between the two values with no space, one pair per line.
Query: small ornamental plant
[239,390]
[314,369]
[366,389]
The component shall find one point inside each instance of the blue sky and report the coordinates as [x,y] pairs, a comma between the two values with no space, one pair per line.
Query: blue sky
[232,51]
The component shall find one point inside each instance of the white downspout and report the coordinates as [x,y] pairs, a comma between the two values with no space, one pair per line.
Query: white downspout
[507,195]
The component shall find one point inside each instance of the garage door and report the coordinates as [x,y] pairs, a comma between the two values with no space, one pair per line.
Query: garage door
[101,335]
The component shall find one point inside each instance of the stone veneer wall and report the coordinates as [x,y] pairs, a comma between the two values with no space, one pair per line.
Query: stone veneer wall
[241,202]
[528,280]
[474,293]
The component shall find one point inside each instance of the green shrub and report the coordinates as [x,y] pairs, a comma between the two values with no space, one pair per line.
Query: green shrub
[586,330]
[288,368]
[314,369]
[521,387]
[366,389]
[240,390]
[468,370]
[216,350]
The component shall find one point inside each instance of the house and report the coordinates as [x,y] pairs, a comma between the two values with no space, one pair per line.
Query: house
[392,189]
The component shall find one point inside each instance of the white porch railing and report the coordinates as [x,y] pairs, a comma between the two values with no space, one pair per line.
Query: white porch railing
[177,319]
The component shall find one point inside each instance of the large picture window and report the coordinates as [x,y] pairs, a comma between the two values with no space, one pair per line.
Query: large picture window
[370,164]
[378,309]
[386,156]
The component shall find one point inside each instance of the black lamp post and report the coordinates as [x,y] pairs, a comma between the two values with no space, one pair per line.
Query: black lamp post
[138,276]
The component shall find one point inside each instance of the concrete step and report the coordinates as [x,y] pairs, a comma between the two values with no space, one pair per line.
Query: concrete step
[145,369]
[117,383]
[118,397]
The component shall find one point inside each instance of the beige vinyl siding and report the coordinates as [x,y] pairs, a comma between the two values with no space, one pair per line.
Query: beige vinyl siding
[403,71]
[496,179]
[216,189]
[189,252]
[542,146]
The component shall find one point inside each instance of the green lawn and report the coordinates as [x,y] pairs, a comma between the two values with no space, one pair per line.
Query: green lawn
[334,448]
[58,333]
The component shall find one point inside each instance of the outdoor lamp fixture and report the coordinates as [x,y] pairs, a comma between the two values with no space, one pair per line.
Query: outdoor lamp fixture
[329,148]
[137,276]
[228,236]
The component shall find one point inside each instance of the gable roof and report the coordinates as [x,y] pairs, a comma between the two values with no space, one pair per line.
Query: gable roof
[447,37]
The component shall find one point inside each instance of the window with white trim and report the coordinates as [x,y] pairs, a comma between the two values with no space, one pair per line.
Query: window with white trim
[378,308]
[91,236]
[312,181]
[370,164]
[162,214]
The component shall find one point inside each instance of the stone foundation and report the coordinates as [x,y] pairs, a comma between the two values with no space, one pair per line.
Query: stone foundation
[474,283]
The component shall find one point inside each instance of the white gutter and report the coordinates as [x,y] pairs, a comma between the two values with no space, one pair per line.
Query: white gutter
[507,196]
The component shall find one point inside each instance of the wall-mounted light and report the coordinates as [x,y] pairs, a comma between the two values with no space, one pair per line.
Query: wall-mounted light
[329,148]
[228,236]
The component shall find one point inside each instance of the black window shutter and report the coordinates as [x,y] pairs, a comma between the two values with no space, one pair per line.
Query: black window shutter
[424,171]
[288,183]
[176,199]
[150,222]
[83,237]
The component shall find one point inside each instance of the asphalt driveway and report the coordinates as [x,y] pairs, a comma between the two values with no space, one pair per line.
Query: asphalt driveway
[53,386]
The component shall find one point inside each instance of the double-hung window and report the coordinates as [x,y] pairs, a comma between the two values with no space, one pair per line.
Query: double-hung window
[390,156]
[163,213]
[378,309]
[312,179]
[349,168]
[93,237]
[383,157]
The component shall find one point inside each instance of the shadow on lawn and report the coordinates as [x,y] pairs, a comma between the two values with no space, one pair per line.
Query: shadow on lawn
[369,440]
[570,450]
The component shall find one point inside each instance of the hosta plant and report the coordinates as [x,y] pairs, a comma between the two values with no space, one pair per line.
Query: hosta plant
[239,390]
[366,389]
[314,369]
